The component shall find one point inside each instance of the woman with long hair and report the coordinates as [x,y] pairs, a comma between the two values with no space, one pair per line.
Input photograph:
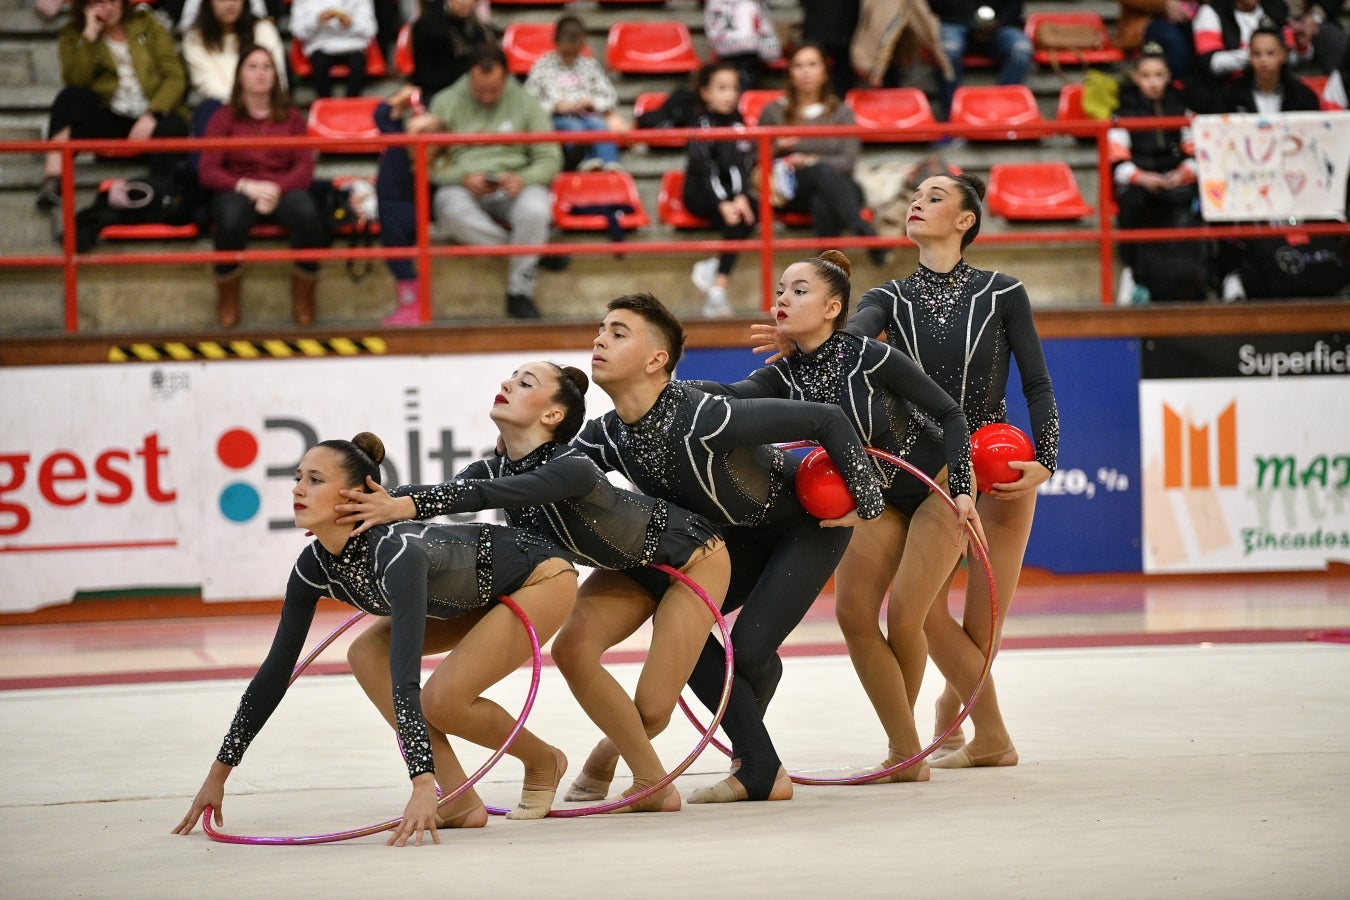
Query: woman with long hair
[211,53]
[267,183]
[822,166]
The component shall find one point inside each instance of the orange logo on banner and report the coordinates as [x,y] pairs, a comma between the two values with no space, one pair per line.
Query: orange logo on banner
[1188,461]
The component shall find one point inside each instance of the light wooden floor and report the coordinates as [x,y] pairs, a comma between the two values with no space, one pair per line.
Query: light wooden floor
[1212,764]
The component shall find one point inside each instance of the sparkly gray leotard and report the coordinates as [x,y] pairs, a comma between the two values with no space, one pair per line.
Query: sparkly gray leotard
[871,382]
[962,327]
[409,571]
[557,491]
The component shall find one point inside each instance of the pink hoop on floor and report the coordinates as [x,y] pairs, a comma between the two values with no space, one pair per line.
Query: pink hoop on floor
[982,554]
[621,802]
[446,797]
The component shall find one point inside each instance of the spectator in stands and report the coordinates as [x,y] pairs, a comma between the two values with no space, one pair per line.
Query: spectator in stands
[446,36]
[1223,29]
[718,184]
[830,24]
[211,53]
[1317,26]
[575,91]
[396,190]
[742,33]
[1166,23]
[1154,170]
[496,193]
[986,27]
[123,79]
[822,167]
[189,12]
[335,32]
[268,183]
[1267,87]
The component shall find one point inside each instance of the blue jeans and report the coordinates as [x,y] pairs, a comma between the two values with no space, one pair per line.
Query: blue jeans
[1009,46]
[606,151]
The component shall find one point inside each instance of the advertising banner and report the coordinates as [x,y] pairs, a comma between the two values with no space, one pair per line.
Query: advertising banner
[1255,167]
[1245,452]
[179,474]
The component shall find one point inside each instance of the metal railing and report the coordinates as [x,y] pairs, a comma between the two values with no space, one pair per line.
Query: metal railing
[1102,232]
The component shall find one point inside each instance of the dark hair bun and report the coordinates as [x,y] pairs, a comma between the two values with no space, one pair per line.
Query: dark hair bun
[371,446]
[975,181]
[839,259]
[577,377]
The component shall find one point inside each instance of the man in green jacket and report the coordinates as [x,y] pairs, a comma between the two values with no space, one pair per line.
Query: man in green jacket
[496,193]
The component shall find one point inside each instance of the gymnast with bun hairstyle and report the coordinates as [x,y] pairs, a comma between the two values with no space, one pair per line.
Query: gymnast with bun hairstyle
[963,326]
[554,490]
[914,544]
[435,588]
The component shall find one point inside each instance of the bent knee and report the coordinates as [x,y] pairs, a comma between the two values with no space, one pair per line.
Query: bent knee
[572,651]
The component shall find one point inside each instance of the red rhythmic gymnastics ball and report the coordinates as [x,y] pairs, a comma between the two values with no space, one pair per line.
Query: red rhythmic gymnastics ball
[992,448]
[821,488]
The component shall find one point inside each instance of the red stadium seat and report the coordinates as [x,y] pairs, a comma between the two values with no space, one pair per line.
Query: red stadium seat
[403,51]
[999,104]
[1318,83]
[905,107]
[149,231]
[1104,54]
[1040,191]
[1070,107]
[752,103]
[572,191]
[670,203]
[794,219]
[646,102]
[524,42]
[301,68]
[342,119]
[650,48]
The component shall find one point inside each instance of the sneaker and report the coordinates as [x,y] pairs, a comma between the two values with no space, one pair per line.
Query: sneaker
[518,306]
[1125,289]
[613,166]
[716,305]
[591,164]
[406,316]
[1233,288]
[705,272]
[49,193]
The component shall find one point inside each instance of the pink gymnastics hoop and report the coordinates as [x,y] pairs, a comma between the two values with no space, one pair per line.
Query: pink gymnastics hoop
[706,735]
[996,636]
[300,840]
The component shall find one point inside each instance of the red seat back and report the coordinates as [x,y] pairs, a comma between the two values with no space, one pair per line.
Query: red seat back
[1039,191]
[574,190]
[998,104]
[905,107]
[752,103]
[650,48]
[670,203]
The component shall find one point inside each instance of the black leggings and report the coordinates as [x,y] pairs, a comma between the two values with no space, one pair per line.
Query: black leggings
[322,79]
[234,215]
[87,115]
[699,207]
[833,199]
[776,574]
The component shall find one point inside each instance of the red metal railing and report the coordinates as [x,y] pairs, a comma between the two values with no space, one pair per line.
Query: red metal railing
[1103,233]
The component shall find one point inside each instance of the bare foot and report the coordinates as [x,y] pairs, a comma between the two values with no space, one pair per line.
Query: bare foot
[966,758]
[539,788]
[665,801]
